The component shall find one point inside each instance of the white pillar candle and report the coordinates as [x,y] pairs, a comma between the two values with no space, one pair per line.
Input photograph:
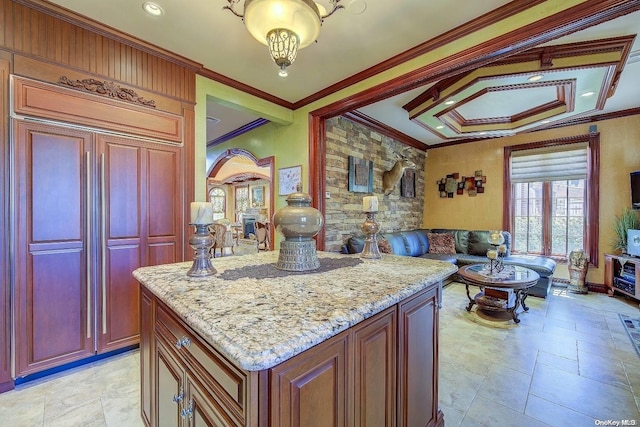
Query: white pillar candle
[370,204]
[201,213]
[502,249]
[492,254]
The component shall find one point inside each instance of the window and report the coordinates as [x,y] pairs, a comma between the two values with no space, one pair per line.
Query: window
[242,198]
[218,198]
[551,196]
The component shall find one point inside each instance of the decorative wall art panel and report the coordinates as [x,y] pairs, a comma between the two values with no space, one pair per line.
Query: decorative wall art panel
[360,175]
[455,184]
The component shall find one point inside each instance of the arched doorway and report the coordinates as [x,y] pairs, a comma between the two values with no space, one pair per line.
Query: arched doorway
[247,183]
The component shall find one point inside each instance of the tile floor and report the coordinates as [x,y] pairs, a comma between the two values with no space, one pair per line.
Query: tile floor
[568,363]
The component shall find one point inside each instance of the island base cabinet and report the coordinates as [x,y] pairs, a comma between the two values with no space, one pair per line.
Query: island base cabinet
[380,372]
[311,389]
[418,362]
[182,400]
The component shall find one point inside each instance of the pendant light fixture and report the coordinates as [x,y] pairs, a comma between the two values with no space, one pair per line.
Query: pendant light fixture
[284,26]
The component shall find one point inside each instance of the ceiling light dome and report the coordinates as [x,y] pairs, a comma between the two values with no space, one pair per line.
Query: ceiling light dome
[283,25]
[301,17]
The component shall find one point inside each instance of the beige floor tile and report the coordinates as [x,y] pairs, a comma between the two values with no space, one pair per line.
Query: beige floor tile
[501,378]
[584,395]
[558,362]
[569,362]
[556,415]
[487,413]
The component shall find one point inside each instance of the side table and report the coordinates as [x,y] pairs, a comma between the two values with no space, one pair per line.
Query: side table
[513,278]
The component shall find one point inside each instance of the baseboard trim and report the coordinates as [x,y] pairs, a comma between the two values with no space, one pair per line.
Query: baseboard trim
[71,365]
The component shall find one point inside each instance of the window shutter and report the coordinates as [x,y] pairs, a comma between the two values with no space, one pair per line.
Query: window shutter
[549,164]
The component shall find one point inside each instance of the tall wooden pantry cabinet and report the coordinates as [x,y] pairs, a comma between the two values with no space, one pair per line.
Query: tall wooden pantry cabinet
[97,151]
[90,207]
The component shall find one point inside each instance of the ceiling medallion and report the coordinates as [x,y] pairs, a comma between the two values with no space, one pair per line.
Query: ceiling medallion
[284,26]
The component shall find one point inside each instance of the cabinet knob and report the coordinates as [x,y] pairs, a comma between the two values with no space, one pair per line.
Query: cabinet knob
[184,341]
[178,397]
[187,412]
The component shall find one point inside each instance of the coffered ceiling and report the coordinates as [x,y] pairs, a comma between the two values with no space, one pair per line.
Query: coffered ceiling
[491,101]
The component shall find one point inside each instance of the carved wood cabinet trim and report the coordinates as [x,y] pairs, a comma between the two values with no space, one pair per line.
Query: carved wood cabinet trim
[47,101]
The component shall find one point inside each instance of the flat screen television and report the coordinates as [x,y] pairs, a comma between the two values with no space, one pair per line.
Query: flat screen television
[635,190]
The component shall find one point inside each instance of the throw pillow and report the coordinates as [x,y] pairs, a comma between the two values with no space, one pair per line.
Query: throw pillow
[441,243]
[384,246]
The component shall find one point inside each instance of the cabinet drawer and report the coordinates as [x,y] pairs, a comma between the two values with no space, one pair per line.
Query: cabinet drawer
[226,382]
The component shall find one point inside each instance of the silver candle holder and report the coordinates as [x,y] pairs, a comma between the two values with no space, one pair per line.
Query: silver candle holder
[370,228]
[201,242]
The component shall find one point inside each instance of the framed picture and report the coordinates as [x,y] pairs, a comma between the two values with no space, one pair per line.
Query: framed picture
[408,183]
[288,179]
[360,175]
[257,196]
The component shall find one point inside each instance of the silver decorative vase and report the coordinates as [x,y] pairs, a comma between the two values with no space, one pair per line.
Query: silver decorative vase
[298,222]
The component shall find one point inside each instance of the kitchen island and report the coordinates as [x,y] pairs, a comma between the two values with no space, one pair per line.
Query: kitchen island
[353,343]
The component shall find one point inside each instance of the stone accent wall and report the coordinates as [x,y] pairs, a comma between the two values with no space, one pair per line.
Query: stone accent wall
[343,210]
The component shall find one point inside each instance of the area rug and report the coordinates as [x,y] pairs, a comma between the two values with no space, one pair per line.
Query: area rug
[632,325]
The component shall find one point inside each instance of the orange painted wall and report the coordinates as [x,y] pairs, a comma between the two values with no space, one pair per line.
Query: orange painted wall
[619,155]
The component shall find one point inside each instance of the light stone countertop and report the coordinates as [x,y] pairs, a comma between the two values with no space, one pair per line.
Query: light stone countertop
[259,323]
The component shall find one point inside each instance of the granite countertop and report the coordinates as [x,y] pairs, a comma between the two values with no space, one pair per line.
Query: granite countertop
[259,322]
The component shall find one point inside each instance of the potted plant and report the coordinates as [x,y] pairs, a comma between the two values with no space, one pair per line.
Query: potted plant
[628,220]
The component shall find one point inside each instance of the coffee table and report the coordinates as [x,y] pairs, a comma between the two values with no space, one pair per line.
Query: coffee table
[507,289]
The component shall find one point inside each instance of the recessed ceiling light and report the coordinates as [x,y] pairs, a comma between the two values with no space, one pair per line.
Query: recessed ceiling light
[450,102]
[481,133]
[544,122]
[590,93]
[152,8]
[440,127]
[535,78]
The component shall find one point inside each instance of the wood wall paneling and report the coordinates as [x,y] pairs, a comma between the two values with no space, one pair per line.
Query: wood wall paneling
[5,313]
[89,47]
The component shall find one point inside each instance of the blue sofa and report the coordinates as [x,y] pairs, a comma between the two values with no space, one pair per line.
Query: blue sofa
[471,248]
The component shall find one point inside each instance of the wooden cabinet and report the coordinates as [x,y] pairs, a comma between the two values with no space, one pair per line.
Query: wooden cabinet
[311,389]
[54,277]
[5,295]
[418,362]
[90,208]
[622,274]
[381,372]
[374,369]
[191,384]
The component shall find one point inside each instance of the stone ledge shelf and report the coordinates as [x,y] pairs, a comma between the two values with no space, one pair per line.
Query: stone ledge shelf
[259,323]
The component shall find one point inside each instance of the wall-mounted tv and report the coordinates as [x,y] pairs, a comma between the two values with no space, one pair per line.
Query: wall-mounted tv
[635,190]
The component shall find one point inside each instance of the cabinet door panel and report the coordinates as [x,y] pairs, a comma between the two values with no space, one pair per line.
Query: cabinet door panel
[123,175]
[205,412]
[375,370]
[53,246]
[120,306]
[57,194]
[164,205]
[170,392]
[122,199]
[59,305]
[417,361]
[163,189]
[146,352]
[310,389]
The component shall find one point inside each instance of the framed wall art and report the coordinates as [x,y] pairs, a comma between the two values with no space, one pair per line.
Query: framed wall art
[408,183]
[360,175]
[288,179]
[257,196]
